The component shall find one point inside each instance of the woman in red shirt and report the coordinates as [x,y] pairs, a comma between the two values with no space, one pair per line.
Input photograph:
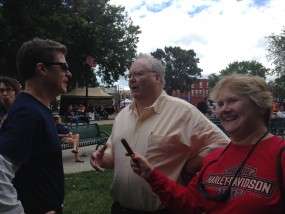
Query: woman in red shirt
[241,178]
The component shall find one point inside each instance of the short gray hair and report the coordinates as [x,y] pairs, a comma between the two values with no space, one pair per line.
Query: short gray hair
[155,66]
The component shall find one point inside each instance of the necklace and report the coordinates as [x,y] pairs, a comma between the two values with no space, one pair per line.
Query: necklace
[223,197]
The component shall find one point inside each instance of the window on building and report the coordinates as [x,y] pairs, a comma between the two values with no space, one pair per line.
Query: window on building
[200,93]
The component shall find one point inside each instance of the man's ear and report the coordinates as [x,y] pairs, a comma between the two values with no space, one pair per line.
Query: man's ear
[41,69]
[157,78]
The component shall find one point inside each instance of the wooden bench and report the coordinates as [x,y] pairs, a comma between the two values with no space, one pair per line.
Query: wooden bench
[88,135]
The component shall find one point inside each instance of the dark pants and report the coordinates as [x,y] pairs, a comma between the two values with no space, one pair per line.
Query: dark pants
[58,210]
[118,209]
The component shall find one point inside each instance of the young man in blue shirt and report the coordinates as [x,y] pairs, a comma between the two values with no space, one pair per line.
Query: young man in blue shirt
[28,137]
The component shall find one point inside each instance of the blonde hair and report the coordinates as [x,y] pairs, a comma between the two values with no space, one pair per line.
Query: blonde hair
[254,87]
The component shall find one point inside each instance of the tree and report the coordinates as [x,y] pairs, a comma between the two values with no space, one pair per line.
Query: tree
[276,52]
[212,80]
[86,27]
[181,68]
[278,88]
[246,67]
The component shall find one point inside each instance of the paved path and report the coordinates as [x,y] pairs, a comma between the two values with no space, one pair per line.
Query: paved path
[84,153]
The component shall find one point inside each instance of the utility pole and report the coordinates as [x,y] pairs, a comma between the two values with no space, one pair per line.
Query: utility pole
[86,86]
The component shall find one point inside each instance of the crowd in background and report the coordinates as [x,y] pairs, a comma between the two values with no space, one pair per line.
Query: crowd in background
[207,107]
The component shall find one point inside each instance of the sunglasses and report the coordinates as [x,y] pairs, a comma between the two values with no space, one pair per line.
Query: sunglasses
[63,65]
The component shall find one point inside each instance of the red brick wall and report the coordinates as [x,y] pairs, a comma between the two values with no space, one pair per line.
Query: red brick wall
[199,90]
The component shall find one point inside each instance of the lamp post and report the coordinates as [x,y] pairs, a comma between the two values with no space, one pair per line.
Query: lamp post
[124,97]
[276,96]
[86,89]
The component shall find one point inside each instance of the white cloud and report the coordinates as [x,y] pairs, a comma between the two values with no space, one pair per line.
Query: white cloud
[219,31]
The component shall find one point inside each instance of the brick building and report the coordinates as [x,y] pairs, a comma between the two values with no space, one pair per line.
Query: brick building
[199,90]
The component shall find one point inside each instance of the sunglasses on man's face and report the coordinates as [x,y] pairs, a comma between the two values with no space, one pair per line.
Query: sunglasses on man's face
[63,66]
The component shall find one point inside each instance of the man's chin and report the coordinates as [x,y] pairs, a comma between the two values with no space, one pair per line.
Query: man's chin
[63,91]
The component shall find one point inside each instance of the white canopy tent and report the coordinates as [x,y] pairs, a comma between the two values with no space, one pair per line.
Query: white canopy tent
[78,95]
[92,93]
[125,102]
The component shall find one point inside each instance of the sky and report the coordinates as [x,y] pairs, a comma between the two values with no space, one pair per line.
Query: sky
[219,31]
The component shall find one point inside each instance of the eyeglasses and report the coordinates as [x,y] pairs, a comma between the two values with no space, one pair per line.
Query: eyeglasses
[63,65]
[137,75]
[8,90]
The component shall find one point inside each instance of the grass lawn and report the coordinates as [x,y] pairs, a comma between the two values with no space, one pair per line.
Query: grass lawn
[106,128]
[88,192]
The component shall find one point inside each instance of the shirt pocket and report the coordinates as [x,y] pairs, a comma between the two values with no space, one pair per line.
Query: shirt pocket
[160,147]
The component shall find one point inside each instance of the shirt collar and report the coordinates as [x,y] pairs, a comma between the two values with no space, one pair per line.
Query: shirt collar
[156,106]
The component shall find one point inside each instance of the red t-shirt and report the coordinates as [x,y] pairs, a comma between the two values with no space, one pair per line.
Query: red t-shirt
[255,190]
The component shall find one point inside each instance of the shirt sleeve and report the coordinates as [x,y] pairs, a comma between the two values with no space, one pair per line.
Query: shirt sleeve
[174,197]
[8,195]
[206,137]
[280,114]
[17,136]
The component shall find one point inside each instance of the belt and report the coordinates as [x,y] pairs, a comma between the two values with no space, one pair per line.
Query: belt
[118,209]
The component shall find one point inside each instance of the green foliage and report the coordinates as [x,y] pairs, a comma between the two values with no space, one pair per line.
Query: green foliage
[245,67]
[276,52]
[181,68]
[212,80]
[89,27]
[278,88]
[88,192]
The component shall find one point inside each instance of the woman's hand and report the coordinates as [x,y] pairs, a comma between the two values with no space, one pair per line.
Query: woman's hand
[141,166]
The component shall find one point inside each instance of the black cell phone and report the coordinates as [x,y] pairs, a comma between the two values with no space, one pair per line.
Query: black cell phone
[127,146]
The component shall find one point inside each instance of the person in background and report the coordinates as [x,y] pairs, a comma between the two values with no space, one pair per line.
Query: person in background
[244,176]
[28,138]
[275,106]
[66,136]
[202,106]
[103,113]
[172,133]
[280,113]
[9,89]
[73,117]
[81,110]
